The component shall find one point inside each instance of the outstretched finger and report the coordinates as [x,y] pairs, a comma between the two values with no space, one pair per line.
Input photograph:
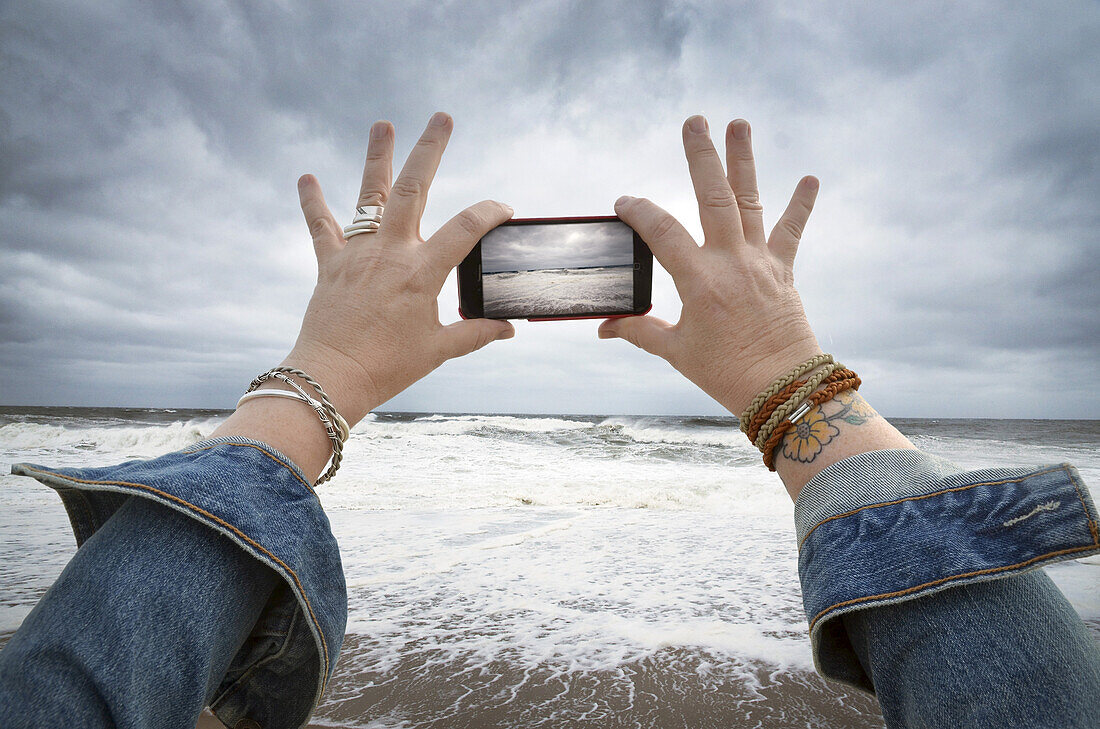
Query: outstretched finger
[717,206]
[670,242]
[458,236]
[378,170]
[463,337]
[410,191]
[788,230]
[327,235]
[645,332]
[741,170]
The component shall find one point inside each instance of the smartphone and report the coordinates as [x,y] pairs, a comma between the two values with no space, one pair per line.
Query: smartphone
[544,269]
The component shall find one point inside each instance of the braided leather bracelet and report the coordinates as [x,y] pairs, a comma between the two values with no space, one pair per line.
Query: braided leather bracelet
[779,384]
[844,380]
[769,407]
[794,402]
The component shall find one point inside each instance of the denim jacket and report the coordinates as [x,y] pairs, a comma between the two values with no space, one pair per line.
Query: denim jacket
[882,536]
[256,497]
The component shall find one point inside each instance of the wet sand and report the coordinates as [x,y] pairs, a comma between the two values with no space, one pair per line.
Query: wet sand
[675,687]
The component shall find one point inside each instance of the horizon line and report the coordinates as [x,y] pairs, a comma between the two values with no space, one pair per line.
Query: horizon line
[527,414]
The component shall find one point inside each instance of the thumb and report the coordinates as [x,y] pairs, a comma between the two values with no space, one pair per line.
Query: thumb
[646,332]
[463,337]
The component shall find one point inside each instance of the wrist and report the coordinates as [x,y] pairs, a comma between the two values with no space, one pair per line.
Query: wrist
[755,378]
[346,382]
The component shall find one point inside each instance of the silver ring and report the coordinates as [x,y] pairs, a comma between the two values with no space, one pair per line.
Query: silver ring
[368,218]
[368,226]
[368,212]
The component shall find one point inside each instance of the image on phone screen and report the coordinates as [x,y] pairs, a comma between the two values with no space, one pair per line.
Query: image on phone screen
[559,268]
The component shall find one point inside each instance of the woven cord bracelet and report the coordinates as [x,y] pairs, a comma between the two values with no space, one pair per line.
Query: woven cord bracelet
[850,381]
[779,384]
[769,407]
[794,402]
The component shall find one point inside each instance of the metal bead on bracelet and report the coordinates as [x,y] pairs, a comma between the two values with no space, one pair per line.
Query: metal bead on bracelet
[335,426]
[368,219]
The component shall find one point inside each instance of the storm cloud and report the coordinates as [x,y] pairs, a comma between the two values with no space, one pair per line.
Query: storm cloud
[153,253]
[578,245]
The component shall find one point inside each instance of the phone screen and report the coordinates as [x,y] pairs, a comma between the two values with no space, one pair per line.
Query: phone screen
[549,268]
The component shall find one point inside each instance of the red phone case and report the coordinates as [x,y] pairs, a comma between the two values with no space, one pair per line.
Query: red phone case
[570,318]
[578,219]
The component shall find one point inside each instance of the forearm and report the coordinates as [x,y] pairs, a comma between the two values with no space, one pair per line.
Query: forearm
[830,432]
[292,427]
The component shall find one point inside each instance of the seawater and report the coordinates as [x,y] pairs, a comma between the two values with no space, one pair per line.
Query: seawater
[510,570]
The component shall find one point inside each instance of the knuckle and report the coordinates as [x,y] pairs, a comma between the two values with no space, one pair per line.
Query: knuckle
[470,223]
[318,228]
[429,141]
[484,337]
[664,226]
[704,151]
[749,200]
[719,196]
[376,196]
[793,227]
[630,335]
[408,187]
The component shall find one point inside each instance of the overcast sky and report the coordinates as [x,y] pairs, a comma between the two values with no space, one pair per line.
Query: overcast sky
[153,252]
[577,245]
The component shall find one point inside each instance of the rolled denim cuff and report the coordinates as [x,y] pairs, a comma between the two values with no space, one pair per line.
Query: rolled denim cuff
[259,499]
[889,526]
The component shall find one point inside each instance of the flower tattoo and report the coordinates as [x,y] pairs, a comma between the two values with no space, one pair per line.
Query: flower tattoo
[813,432]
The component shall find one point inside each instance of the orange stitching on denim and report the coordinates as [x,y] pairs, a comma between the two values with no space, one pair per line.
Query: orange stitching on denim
[227,525]
[926,496]
[1085,508]
[261,450]
[908,590]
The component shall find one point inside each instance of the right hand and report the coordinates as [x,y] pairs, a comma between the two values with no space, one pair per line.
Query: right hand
[742,323]
[372,327]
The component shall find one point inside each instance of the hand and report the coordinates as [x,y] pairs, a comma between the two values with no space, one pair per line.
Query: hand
[372,327]
[742,323]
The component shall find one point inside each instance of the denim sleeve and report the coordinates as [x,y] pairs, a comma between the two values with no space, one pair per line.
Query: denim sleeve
[919,583]
[188,530]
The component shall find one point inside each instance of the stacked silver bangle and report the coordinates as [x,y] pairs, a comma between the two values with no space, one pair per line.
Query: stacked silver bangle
[335,426]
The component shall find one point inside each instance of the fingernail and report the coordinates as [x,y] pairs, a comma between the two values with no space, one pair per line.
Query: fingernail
[623,200]
[812,182]
[439,119]
[507,208]
[740,129]
[605,334]
[378,131]
[506,334]
[697,124]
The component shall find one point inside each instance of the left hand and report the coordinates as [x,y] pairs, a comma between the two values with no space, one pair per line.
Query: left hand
[372,327]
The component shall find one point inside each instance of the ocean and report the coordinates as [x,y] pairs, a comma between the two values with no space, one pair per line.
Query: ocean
[529,570]
[558,291]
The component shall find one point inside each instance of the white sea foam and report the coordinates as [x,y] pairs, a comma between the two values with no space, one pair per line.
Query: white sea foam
[127,441]
[572,590]
[654,430]
[559,291]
